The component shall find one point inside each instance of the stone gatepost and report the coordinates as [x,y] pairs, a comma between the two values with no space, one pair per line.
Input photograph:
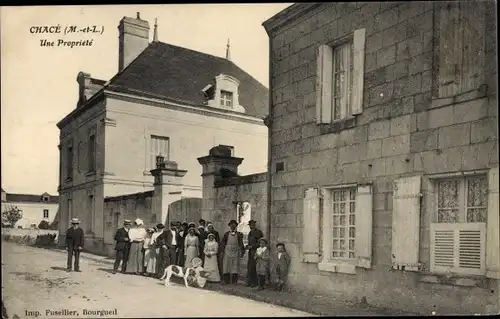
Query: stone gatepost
[219,164]
[167,187]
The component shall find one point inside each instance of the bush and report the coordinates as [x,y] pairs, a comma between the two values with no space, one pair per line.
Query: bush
[43,225]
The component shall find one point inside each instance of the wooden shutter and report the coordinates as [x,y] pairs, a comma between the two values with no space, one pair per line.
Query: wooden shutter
[406,223]
[472,17]
[311,229]
[358,71]
[450,49]
[324,84]
[363,239]
[458,248]
[493,238]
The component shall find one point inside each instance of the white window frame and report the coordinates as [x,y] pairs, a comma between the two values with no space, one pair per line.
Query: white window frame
[352,99]
[328,262]
[451,231]
[155,151]
[225,97]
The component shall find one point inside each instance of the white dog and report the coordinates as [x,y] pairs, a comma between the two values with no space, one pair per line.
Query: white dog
[193,275]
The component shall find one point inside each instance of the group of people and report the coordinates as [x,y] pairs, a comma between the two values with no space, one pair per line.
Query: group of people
[148,252]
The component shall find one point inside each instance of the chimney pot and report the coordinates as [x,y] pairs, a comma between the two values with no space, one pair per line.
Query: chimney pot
[139,15]
[133,39]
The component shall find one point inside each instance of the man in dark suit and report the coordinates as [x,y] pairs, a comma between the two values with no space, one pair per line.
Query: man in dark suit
[122,246]
[254,236]
[169,241]
[74,244]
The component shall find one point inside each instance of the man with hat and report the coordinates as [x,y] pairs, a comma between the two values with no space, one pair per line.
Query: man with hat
[168,243]
[122,246]
[234,249]
[74,244]
[254,236]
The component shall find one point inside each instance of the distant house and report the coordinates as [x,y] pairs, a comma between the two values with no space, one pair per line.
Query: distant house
[384,147]
[164,100]
[35,208]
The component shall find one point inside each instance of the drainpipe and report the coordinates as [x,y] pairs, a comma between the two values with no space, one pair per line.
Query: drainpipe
[269,121]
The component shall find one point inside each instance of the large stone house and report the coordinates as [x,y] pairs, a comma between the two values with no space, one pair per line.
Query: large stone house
[35,208]
[165,100]
[384,150]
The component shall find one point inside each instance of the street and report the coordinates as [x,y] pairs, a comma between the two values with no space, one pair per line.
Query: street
[35,284]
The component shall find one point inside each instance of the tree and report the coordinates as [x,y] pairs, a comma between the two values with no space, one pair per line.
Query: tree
[43,225]
[10,215]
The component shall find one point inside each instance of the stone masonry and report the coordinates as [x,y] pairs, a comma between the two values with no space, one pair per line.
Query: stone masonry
[402,130]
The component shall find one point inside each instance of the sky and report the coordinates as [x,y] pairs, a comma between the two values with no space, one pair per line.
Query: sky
[38,84]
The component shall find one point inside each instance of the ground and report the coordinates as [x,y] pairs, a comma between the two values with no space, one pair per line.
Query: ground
[34,281]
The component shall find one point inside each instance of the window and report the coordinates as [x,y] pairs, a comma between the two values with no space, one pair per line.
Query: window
[340,77]
[69,164]
[280,166]
[343,226]
[460,52]
[226,98]
[459,228]
[45,213]
[159,145]
[92,153]
[91,212]
[45,199]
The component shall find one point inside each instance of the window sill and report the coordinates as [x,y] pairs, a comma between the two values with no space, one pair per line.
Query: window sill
[338,267]
[454,280]
[480,93]
[337,126]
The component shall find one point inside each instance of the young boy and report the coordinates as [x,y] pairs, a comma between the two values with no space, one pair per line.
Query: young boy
[281,266]
[262,261]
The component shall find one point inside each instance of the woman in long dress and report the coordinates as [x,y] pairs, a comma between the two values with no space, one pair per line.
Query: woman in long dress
[211,249]
[190,247]
[149,254]
[137,236]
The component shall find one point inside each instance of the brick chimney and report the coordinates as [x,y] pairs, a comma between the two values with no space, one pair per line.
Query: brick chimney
[133,39]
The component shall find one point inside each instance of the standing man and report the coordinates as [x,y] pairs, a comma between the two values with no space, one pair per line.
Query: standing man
[234,249]
[169,241]
[253,243]
[74,244]
[122,246]
[202,235]
[202,223]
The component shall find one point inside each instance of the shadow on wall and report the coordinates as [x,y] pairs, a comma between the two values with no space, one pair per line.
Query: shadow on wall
[31,237]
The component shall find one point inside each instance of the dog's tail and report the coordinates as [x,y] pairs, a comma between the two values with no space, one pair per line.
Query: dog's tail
[164,274]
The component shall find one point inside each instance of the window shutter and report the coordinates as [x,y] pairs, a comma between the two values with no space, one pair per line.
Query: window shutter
[493,238]
[473,19]
[358,71]
[406,223]
[310,235]
[450,49]
[458,248]
[324,84]
[363,239]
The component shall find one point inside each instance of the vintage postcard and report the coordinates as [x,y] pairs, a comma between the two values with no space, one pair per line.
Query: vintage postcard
[234,160]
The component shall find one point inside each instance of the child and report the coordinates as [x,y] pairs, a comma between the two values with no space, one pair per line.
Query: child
[281,267]
[262,261]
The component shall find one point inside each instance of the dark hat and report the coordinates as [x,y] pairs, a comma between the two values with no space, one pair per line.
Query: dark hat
[201,221]
[173,223]
[251,221]
[264,240]
[280,244]
[233,222]
[160,226]
[185,224]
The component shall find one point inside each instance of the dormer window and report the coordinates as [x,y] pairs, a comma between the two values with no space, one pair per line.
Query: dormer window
[45,198]
[226,98]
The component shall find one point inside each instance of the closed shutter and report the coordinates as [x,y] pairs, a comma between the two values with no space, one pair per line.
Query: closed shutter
[406,223]
[364,219]
[450,49]
[458,248]
[324,84]
[311,229]
[473,23]
[358,71]
[493,237]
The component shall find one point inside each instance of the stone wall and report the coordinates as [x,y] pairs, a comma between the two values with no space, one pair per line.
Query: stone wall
[401,131]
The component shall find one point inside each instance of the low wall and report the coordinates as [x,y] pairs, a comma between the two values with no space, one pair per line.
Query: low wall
[32,237]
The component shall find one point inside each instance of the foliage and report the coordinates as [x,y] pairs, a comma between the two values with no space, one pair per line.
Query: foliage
[43,225]
[10,215]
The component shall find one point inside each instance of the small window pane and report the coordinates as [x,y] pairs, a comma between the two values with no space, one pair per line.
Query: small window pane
[448,193]
[476,215]
[342,232]
[342,208]
[448,216]
[352,219]
[477,192]
[352,232]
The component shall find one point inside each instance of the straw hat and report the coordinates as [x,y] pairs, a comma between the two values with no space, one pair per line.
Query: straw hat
[75,221]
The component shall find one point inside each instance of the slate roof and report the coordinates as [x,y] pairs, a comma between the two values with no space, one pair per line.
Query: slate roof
[169,71]
[27,198]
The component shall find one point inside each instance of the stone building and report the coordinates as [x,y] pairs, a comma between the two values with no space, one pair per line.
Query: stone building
[384,152]
[165,100]
[35,208]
